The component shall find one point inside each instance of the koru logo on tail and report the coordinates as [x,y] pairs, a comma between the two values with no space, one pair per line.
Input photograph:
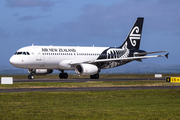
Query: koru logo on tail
[134,35]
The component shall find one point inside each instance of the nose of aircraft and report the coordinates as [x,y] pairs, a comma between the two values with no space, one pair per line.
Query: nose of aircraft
[13,61]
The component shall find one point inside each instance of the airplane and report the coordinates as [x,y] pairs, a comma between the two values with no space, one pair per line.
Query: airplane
[41,60]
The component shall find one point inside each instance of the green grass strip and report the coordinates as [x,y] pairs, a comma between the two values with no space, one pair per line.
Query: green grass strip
[91,105]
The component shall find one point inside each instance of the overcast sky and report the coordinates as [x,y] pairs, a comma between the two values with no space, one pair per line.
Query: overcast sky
[101,23]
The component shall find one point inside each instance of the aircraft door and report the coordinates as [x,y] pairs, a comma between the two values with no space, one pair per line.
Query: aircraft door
[38,54]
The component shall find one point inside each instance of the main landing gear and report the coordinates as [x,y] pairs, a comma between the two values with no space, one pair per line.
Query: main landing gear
[63,75]
[95,76]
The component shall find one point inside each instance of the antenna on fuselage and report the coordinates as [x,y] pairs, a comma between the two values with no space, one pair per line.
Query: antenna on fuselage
[33,44]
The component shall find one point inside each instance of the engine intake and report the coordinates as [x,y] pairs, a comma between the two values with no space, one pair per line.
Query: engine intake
[86,69]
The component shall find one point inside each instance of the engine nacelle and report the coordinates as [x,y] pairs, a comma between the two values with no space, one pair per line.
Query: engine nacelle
[86,69]
[40,71]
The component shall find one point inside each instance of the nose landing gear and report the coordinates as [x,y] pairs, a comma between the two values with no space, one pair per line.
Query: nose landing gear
[30,77]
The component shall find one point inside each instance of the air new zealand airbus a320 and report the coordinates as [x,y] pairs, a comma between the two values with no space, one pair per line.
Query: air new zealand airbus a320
[84,60]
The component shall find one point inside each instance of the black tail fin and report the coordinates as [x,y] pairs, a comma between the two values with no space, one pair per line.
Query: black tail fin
[133,39]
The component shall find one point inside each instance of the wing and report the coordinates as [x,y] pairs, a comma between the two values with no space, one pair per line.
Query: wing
[138,58]
[129,58]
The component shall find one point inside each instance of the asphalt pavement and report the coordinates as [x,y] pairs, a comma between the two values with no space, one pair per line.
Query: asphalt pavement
[86,88]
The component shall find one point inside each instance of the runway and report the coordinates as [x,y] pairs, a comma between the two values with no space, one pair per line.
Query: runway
[84,80]
[86,88]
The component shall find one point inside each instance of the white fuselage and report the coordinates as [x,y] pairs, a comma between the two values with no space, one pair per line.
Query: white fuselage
[53,57]
[84,60]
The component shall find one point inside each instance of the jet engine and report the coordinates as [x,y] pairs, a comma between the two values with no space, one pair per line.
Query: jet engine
[86,69]
[40,71]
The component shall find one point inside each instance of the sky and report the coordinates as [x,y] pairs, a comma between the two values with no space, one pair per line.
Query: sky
[101,23]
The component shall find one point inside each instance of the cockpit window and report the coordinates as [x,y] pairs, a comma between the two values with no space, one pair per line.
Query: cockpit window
[19,53]
[22,53]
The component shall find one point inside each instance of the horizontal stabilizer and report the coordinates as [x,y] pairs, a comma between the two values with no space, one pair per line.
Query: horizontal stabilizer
[145,53]
[167,55]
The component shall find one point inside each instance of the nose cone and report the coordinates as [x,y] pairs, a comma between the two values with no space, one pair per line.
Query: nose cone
[13,61]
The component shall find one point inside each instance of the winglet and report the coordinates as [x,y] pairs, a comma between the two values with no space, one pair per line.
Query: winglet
[167,55]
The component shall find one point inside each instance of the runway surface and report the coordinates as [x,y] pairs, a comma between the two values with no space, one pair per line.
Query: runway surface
[84,80]
[86,88]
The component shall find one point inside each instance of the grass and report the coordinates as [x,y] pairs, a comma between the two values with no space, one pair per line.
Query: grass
[91,105]
[87,84]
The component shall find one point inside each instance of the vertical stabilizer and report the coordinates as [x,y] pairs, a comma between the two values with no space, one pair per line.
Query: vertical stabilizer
[134,37]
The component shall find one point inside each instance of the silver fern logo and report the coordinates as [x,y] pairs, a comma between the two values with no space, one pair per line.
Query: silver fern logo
[117,53]
[134,36]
